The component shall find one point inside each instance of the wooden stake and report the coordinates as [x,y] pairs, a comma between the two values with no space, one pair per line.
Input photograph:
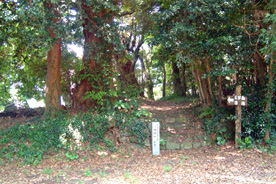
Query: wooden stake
[238,121]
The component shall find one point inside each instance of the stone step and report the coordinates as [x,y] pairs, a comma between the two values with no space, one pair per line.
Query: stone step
[173,145]
[174,125]
[182,132]
[194,135]
[175,119]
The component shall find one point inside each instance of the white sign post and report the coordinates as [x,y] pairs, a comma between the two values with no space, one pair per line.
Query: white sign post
[155,138]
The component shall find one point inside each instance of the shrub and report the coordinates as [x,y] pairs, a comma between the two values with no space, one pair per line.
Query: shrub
[29,143]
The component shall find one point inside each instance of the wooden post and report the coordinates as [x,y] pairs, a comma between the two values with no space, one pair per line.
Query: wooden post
[238,121]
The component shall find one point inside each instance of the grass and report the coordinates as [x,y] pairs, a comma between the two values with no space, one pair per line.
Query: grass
[179,99]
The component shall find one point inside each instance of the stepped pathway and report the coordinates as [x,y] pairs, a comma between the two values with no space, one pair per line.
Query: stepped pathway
[179,128]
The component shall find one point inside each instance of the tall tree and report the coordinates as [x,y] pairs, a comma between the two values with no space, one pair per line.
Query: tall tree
[96,77]
[177,86]
[53,86]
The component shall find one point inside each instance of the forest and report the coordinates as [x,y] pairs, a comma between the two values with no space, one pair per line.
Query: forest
[134,49]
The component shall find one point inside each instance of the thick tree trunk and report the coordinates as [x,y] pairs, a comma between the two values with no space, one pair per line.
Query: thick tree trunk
[203,88]
[96,75]
[260,69]
[133,44]
[176,79]
[53,86]
[127,73]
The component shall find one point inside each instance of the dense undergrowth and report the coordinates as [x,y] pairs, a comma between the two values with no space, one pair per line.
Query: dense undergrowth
[220,120]
[30,143]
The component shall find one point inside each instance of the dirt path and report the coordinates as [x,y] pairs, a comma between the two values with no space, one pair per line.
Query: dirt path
[209,164]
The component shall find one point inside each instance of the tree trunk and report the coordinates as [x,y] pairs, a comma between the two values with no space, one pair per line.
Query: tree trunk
[127,74]
[234,78]
[149,83]
[204,93]
[184,79]
[176,79]
[208,70]
[133,44]
[53,86]
[96,76]
[269,95]
[220,90]
[260,69]
[193,89]
[164,80]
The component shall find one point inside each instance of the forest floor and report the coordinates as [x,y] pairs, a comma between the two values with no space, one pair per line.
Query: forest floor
[208,164]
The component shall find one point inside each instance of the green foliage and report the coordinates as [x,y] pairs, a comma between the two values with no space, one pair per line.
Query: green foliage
[255,120]
[87,173]
[207,111]
[219,138]
[30,143]
[162,142]
[137,129]
[246,143]
[218,121]
[102,173]
[71,156]
[122,105]
[167,168]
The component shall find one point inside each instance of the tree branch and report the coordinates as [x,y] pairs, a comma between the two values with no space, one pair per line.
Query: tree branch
[3,78]
[126,13]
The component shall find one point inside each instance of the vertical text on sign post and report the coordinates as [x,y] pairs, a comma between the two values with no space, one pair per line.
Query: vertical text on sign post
[155,138]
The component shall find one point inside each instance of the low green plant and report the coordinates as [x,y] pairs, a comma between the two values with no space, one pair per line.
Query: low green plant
[167,168]
[131,178]
[122,105]
[110,145]
[218,121]
[181,159]
[220,138]
[87,173]
[47,171]
[137,130]
[71,156]
[246,143]
[207,111]
[102,173]
[30,143]
[162,142]
[127,175]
